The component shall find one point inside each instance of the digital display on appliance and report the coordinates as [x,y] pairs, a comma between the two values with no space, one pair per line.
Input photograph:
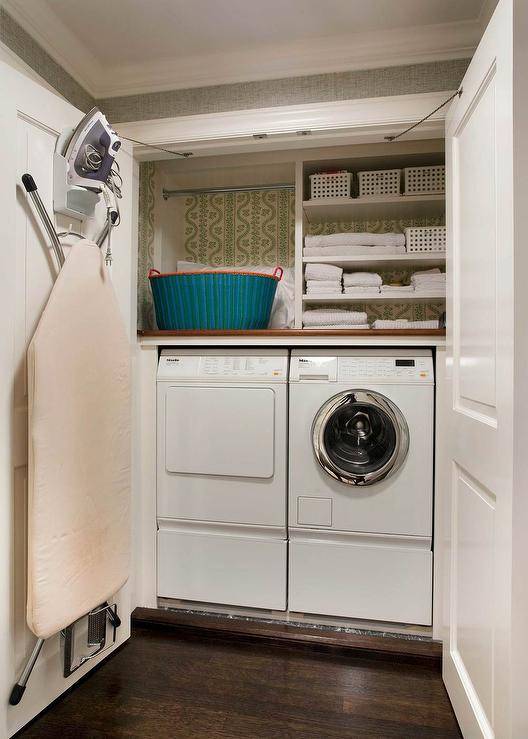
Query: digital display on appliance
[404,362]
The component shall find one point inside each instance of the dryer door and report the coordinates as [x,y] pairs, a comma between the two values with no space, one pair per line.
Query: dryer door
[360,437]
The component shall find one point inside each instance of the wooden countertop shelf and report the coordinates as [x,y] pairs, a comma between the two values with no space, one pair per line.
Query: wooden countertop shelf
[282,333]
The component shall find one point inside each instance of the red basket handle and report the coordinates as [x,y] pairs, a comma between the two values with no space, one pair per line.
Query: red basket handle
[278,272]
[153,272]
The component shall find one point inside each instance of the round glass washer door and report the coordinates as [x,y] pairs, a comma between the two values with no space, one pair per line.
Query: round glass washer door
[360,437]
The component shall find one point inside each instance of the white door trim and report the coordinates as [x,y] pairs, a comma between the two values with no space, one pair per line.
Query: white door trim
[368,119]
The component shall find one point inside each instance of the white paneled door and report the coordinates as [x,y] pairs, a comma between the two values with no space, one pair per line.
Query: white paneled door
[485,200]
[31,118]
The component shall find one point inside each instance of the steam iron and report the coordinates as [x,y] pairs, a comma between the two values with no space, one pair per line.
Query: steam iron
[90,151]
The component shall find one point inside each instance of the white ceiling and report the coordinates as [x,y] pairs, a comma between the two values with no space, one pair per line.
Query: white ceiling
[119,47]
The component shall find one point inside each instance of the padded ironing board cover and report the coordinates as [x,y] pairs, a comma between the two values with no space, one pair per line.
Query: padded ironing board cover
[79,447]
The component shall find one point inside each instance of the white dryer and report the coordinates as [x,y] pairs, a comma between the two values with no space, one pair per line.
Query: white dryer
[361,484]
[222,477]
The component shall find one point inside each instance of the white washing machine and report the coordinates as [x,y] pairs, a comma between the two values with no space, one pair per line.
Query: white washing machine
[361,484]
[222,477]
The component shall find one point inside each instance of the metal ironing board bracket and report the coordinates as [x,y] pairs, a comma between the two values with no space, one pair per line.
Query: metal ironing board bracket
[98,618]
[31,188]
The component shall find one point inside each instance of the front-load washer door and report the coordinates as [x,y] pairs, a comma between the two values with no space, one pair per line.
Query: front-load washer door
[220,431]
[360,437]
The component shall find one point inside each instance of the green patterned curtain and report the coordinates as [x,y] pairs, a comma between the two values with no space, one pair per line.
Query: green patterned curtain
[241,228]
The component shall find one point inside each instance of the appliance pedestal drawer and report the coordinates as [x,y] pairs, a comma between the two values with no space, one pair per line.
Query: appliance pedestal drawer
[364,576]
[238,566]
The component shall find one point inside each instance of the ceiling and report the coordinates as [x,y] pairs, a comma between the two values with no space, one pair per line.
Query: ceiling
[122,47]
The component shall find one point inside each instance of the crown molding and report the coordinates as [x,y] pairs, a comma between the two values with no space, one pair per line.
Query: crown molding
[349,52]
[318,56]
[46,28]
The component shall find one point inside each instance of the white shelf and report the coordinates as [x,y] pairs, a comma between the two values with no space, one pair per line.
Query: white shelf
[373,208]
[410,297]
[412,259]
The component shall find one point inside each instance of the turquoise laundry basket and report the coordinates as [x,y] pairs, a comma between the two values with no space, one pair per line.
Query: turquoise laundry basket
[187,301]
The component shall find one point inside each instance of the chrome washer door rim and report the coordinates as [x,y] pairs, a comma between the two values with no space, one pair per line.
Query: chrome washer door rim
[377,401]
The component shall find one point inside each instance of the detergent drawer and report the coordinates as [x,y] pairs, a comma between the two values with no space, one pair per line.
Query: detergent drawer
[235,566]
[361,576]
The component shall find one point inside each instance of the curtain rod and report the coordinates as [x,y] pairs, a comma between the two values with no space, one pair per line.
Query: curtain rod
[216,190]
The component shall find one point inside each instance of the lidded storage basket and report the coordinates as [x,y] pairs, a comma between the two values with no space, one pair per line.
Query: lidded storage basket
[190,301]
[425,238]
[330,185]
[379,182]
[425,180]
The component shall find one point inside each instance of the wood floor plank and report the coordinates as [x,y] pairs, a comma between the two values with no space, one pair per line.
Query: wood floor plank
[158,685]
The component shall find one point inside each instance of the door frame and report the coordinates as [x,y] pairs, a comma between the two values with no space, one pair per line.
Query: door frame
[366,120]
[338,123]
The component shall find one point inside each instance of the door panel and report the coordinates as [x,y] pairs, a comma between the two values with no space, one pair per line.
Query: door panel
[479,373]
[477,231]
[472,633]
[32,117]
[220,431]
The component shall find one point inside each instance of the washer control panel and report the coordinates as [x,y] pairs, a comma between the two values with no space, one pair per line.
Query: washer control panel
[371,368]
[222,367]
[412,369]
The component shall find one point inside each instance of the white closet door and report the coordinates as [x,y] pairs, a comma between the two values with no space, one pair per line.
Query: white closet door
[484,200]
[31,118]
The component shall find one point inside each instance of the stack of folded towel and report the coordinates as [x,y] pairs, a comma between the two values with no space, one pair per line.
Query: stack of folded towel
[335,318]
[404,323]
[362,284]
[396,288]
[431,281]
[351,244]
[323,279]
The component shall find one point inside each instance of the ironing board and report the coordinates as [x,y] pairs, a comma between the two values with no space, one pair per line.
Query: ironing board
[79,447]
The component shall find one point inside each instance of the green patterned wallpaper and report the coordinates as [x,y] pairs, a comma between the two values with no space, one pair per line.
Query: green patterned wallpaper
[241,229]
[147,172]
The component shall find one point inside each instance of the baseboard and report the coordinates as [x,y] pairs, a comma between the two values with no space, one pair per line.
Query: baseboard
[391,647]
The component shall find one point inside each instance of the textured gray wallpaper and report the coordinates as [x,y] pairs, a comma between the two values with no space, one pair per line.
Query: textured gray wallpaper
[408,79]
[414,78]
[24,46]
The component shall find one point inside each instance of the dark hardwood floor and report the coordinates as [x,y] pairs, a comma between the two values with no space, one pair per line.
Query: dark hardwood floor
[163,685]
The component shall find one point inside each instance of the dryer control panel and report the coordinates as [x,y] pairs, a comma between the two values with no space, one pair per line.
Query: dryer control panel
[372,369]
[222,368]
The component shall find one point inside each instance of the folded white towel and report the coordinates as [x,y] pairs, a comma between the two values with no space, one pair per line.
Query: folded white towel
[322,272]
[323,283]
[404,323]
[340,326]
[329,294]
[352,250]
[320,289]
[361,278]
[428,286]
[324,316]
[362,291]
[415,279]
[431,271]
[428,275]
[361,239]
[397,288]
